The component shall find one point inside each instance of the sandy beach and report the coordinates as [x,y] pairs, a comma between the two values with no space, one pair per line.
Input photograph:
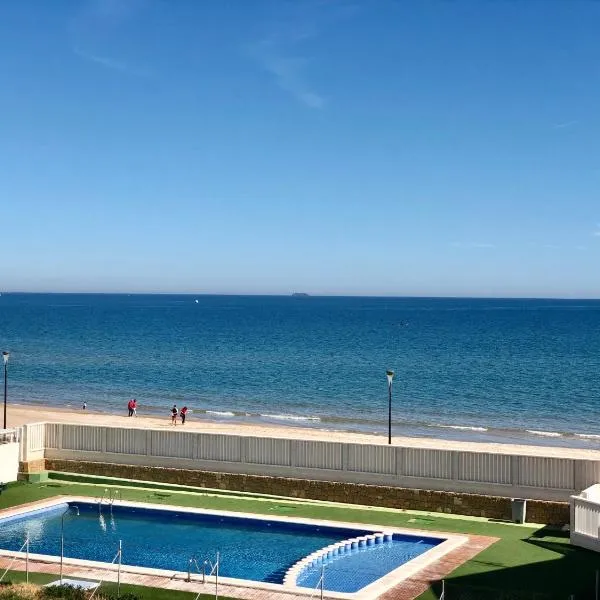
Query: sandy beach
[21,414]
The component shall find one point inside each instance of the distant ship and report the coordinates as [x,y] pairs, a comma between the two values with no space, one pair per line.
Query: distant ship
[300,294]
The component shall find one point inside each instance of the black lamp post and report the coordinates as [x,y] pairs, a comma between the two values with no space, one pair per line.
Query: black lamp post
[5,356]
[390,378]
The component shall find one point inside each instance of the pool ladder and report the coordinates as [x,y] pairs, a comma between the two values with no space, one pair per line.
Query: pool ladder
[194,561]
[214,568]
[110,496]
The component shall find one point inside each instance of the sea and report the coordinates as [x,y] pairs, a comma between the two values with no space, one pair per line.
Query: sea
[495,370]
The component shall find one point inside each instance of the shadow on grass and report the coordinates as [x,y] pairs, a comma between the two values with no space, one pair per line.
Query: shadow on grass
[572,574]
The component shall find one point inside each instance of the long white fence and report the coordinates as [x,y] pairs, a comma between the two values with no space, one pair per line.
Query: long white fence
[512,475]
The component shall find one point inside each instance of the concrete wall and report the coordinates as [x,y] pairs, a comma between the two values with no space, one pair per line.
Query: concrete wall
[480,473]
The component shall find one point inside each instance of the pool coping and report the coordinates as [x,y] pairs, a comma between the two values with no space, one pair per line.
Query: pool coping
[371,591]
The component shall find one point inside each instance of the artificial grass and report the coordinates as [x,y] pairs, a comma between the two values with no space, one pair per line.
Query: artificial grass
[532,560]
[143,593]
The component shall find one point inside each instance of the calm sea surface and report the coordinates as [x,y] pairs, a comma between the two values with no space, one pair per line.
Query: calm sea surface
[512,370]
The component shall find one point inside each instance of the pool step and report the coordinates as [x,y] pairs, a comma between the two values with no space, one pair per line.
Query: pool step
[323,555]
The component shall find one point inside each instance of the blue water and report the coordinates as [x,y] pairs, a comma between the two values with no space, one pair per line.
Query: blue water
[249,548]
[469,368]
[351,572]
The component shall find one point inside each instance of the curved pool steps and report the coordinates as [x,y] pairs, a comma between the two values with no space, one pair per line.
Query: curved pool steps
[327,553]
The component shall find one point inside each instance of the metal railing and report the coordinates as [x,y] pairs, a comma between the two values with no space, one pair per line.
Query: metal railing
[214,571]
[320,584]
[9,436]
[10,564]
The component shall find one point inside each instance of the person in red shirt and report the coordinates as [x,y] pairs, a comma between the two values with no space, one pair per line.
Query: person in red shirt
[182,414]
[131,407]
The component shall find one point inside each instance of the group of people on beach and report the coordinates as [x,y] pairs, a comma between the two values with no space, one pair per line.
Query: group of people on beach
[132,411]
[182,414]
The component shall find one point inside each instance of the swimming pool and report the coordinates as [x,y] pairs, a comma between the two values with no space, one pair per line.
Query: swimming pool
[277,551]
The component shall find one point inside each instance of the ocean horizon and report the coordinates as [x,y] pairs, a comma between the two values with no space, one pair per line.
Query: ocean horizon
[482,369]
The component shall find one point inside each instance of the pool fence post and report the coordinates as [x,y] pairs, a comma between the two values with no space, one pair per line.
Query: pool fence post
[217,578]
[119,571]
[27,560]
[322,579]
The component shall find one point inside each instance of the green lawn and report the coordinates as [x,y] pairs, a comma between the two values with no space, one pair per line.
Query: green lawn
[143,593]
[527,559]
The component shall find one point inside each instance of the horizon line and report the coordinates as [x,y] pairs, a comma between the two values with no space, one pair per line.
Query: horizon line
[302,294]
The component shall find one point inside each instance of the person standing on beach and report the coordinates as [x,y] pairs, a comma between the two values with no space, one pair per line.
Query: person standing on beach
[174,415]
[182,414]
[134,407]
[130,407]
[84,405]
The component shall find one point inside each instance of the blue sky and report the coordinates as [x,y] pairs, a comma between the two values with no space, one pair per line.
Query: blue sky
[335,147]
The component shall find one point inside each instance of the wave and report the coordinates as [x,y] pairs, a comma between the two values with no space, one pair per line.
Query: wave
[291,418]
[544,433]
[588,436]
[220,413]
[462,427]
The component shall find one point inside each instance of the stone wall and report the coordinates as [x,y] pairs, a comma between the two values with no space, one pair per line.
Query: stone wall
[493,507]
[32,466]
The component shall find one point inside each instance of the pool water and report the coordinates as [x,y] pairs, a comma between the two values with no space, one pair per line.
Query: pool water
[351,572]
[254,549]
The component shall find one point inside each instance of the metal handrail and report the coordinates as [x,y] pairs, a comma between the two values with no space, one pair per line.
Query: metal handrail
[25,545]
[195,561]
[320,584]
[112,562]
[102,500]
[214,570]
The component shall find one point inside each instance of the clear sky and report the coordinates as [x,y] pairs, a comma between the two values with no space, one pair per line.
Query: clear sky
[269,146]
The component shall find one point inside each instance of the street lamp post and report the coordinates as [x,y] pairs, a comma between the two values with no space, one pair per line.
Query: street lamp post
[390,379]
[62,540]
[5,356]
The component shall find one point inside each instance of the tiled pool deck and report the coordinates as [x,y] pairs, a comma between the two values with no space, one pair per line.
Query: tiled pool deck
[412,579]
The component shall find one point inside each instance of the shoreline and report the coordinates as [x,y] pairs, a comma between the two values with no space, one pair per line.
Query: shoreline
[20,414]
[522,434]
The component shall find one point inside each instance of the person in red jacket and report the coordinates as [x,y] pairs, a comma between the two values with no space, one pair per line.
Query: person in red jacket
[182,414]
[131,407]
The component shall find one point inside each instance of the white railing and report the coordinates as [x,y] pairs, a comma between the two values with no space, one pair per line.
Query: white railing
[9,436]
[503,474]
[585,521]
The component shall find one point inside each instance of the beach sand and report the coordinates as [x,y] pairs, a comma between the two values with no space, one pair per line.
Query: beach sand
[21,414]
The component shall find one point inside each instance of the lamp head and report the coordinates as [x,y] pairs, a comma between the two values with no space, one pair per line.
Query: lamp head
[390,376]
[5,356]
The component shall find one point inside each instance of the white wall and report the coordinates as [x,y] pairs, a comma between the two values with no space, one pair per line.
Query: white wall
[9,462]
[509,475]
[585,521]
